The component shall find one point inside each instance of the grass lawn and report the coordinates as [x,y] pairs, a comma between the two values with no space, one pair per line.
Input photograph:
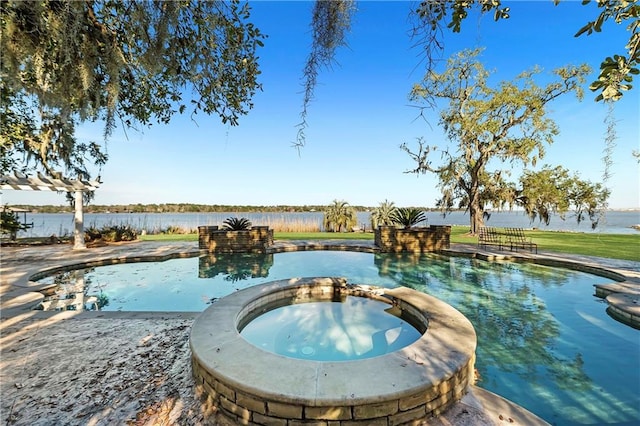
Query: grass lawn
[614,246]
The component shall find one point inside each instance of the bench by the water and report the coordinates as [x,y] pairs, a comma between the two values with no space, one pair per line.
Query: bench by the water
[517,239]
[488,236]
[514,238]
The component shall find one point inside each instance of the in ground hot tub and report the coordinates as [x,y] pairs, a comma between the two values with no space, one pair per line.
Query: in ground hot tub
[407,381]
[343,328]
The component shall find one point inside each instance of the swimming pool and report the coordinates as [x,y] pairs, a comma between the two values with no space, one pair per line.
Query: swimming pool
[544,341]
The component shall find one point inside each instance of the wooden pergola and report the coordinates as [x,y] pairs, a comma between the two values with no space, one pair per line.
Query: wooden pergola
[21,182]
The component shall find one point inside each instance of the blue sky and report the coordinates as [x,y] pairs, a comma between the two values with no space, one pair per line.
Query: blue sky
[360,116]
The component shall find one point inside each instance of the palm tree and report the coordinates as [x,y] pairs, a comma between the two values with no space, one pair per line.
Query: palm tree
[236,224]
[382,215]
[408,216]
[339,215]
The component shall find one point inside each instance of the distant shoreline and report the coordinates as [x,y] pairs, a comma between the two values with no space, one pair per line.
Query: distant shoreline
[219,208]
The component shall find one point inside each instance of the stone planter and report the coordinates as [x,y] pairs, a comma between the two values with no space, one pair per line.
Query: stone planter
[255,240]
[416,240]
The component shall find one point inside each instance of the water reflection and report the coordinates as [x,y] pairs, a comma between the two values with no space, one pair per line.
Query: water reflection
[70,292]
[536,335]
[348,329]
[517,331]
[153,286]
[235,266]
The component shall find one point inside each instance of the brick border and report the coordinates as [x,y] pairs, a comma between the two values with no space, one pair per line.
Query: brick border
[416,240]
[255,240]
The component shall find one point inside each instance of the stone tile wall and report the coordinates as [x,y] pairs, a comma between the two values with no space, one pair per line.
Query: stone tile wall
[417,240]
[247,409]
[255,240]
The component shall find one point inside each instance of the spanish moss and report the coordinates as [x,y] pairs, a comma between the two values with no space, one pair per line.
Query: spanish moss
[330,23]
[607,159]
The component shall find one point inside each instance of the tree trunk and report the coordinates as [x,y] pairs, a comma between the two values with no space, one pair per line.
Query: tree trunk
[476,208]
[476,219]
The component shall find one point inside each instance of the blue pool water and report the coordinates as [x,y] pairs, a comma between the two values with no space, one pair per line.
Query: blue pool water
[544,341]
[349,329]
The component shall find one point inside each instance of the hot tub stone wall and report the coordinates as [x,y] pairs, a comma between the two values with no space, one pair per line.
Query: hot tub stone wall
[254,387]
[246,409]
[417,240]
[255,240]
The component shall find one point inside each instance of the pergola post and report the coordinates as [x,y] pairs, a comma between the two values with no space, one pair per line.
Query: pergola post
[78,222]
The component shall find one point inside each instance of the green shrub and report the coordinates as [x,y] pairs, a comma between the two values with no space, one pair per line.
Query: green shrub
[92,234]
[339,216]
[174,230]
[111,233]
[10,223]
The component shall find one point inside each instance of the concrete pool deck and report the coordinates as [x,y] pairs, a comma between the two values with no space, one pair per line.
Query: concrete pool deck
[134,367]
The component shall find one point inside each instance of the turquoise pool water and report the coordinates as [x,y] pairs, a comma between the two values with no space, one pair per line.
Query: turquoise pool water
[345,330]
[544,341]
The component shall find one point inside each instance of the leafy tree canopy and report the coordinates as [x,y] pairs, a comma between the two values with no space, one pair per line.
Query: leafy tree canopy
[332,21]
[133,62]
[488,127]
[140,62]
[616,71]
[555,190]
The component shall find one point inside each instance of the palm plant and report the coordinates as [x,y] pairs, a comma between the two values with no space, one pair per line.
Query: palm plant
[408,216]
[382,215]
[339,215]
[236,224]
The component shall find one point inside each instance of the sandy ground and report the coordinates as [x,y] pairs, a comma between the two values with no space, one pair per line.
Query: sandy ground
[68,370]
[98,372]
[74,370]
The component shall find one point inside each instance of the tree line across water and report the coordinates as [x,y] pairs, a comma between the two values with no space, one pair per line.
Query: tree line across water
[187,208]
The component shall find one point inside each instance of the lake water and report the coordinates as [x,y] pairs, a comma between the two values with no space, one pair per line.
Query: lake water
[61,224]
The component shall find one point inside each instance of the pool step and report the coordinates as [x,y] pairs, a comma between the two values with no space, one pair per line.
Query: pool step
[625,287]
[623,299]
